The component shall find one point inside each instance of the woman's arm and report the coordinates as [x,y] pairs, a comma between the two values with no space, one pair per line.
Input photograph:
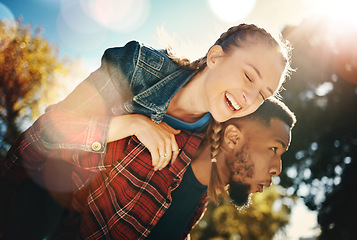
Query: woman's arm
[91,113]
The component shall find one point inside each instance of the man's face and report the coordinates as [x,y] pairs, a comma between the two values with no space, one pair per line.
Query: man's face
[258,159]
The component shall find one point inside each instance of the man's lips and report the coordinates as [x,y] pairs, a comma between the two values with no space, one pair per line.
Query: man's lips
[261,186]
[231,102]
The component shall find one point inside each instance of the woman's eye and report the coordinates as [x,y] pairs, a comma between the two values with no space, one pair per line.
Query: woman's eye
[250,80]
[262,97]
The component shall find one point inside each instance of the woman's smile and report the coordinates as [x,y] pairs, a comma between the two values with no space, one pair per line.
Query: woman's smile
[231,102]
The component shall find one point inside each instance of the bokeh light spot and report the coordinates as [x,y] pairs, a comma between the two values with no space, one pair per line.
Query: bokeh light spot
[324,89]
[118,15]
[77,30]
[76,18]
[232,10]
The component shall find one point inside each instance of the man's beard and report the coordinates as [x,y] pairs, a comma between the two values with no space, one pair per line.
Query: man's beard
[242,169]
[239,194]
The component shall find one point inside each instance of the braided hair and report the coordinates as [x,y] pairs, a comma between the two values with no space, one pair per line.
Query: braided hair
[216,186]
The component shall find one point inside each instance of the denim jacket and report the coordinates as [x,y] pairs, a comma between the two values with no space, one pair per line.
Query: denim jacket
[131,79]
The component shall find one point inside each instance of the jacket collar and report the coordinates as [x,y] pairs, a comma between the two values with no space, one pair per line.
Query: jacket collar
[158,97]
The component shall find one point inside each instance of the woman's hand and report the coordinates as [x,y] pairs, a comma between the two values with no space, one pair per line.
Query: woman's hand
[158,138]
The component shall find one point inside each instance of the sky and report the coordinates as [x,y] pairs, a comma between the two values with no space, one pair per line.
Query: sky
[85,28]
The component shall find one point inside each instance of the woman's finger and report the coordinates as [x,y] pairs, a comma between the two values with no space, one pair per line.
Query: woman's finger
[162,157]
[168,153]
[175,149]
[175,154]
[155,156]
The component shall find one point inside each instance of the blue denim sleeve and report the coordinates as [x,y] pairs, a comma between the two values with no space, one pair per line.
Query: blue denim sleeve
[90,107]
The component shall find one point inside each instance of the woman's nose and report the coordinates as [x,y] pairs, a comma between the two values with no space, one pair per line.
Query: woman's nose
[250,96]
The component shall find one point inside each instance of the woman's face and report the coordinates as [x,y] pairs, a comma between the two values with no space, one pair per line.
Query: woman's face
[238,82]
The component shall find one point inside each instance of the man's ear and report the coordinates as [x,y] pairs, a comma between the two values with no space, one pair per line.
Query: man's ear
[232,136]
[213,55]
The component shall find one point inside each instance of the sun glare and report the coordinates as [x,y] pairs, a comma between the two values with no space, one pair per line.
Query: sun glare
[340,12]
[231,10]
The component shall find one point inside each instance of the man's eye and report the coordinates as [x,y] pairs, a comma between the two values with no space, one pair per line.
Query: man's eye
[250,80]
[274,149]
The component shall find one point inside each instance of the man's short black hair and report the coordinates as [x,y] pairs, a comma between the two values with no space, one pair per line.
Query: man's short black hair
[273,108]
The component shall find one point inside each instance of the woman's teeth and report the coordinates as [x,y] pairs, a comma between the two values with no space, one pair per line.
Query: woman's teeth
[232,103]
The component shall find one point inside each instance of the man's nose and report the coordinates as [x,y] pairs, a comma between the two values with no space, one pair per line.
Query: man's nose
[276,168]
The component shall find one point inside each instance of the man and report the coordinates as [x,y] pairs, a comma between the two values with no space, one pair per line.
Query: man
[127,199]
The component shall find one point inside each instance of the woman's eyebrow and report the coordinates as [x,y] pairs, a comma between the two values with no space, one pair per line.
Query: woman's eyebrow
[260,76]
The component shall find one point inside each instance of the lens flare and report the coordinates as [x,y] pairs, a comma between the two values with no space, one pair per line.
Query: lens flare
[232,10]
[78,30]
[118,15]
[77,19]
[342,12]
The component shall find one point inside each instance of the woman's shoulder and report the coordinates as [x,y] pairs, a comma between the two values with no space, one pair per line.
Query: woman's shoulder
[140,53]
[135,46]
[130,49]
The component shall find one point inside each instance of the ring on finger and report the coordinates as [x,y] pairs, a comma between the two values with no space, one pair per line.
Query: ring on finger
[163,156]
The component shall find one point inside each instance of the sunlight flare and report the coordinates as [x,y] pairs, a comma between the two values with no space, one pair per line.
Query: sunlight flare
[231,10]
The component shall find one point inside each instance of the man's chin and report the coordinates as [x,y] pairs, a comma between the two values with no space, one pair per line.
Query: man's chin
[239,194]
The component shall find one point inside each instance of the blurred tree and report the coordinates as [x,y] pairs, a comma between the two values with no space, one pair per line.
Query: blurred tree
[268,213]
[30,69]
[31,76]
[323,95]
[336,215]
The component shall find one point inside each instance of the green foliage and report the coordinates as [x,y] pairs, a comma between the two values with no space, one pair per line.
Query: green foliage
[336,215]
[30,70]
[268,213]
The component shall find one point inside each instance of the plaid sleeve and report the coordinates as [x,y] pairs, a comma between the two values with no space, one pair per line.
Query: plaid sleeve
[30,152]
[58,129]
[25,156]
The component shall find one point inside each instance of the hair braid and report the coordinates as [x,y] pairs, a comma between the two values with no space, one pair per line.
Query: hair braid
[238,34]
[215,186]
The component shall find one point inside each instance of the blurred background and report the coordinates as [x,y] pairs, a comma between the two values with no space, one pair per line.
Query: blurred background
[48,46]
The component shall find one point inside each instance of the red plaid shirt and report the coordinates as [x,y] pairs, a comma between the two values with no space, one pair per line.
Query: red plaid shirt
[120,197]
